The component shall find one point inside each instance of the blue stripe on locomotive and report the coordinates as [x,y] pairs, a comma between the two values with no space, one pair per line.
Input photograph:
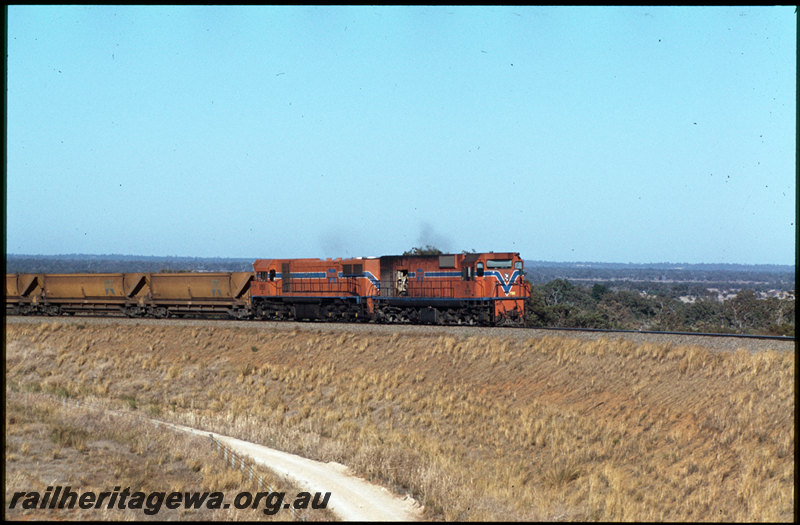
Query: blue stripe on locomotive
[505,285]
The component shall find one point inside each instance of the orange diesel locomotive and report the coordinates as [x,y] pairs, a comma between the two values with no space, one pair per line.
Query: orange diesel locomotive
[466,288]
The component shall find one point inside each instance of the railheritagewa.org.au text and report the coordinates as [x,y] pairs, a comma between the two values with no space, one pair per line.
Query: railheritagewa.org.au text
[150,503]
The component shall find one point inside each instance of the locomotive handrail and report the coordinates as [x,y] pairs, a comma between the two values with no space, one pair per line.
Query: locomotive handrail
[345,286]
[428,289]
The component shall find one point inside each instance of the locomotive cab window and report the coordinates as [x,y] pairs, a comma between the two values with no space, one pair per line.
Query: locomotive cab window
[479,269]
[518,265]
[498,263]
[272,275]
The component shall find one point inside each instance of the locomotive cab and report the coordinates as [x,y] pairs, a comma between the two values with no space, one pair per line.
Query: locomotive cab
[464,288]
[503,278]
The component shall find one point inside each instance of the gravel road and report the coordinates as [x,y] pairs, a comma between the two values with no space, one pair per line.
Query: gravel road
[352,498]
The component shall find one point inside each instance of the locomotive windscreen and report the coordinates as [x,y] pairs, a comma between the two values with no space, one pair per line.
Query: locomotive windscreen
[498,263]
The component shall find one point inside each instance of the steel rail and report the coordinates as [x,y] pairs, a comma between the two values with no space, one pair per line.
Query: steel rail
[208,317]
[655,332]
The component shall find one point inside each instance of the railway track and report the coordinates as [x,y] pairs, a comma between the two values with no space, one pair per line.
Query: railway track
[729,342]
[701,334]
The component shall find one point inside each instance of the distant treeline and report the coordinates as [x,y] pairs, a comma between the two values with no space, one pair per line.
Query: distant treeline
[711,267]
[759,277]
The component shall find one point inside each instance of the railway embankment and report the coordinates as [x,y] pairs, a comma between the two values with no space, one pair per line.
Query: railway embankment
[474,423]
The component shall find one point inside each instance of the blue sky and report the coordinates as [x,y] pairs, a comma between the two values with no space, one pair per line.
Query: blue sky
[609,134]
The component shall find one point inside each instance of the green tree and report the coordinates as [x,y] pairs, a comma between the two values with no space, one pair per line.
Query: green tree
[598,291]
[536,314]
[744,312]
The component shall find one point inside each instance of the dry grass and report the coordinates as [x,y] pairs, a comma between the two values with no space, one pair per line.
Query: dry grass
[476,428]
[50,443]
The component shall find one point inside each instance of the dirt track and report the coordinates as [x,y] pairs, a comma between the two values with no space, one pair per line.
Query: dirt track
[352,498]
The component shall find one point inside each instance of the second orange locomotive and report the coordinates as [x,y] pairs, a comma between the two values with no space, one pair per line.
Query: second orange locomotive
[466,288]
